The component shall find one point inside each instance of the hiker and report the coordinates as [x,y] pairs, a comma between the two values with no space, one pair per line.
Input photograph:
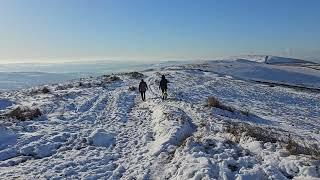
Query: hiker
[164,87]
[142,89]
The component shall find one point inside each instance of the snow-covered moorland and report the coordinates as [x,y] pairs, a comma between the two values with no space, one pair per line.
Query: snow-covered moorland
[98,128]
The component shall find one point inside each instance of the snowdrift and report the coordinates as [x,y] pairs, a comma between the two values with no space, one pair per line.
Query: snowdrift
[171,127]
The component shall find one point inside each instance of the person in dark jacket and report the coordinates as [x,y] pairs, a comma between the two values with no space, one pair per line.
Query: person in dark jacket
[142,89]
[266,59]
[164,87]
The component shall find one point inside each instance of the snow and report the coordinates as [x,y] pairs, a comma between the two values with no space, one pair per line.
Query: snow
[299,76]
[268,59]
[95,128]
[7,137]
[5,103]
[284,60]
[171,126]
[100,137]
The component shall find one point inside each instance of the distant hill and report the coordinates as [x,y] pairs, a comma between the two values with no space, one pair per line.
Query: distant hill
[285,60]
[270,60]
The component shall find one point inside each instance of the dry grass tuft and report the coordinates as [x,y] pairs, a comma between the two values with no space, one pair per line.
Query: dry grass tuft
[114,78]
[45,90]
[24,113]
[132,88]
[214,102]
[135,75]
[260,134]
[295,148]
[268,135]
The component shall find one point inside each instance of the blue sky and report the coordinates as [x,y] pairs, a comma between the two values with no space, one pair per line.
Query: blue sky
[71,30]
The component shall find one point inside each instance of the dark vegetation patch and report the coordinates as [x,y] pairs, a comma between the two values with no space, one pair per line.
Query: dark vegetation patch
[114,78]
[45,90]
[40,90]
[111,78]
[132,88]
[214,102]
[24,113]
[267,134]
[134,75]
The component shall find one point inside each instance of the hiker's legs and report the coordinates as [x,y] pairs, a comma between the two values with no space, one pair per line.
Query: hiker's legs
[165,93]
[163,90]
[143,95]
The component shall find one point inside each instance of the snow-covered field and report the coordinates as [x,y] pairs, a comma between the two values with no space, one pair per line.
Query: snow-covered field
[98,128]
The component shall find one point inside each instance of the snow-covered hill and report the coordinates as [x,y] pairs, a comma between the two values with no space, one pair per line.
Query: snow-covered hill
[98,128]
[283,71]
[268,59]
[284,60]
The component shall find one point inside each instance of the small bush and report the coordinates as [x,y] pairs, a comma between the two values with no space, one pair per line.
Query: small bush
[268,135]
[114,78]
[214,102]
[294,148]
[132,88]
[256,132]
[136,75]
[45,90]
[24,113]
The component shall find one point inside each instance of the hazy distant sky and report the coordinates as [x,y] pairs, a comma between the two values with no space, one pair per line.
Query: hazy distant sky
[56,30]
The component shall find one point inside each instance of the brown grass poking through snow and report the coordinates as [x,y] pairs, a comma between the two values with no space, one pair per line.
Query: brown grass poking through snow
[265,134]
[214,102]
[24,113]
[134,75]
[114,78]
[45,90]
[132,88]
[109,78]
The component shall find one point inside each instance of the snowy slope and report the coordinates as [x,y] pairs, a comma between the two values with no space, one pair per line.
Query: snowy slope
[268,59]
[284,60]
[98,128]
[282,74]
